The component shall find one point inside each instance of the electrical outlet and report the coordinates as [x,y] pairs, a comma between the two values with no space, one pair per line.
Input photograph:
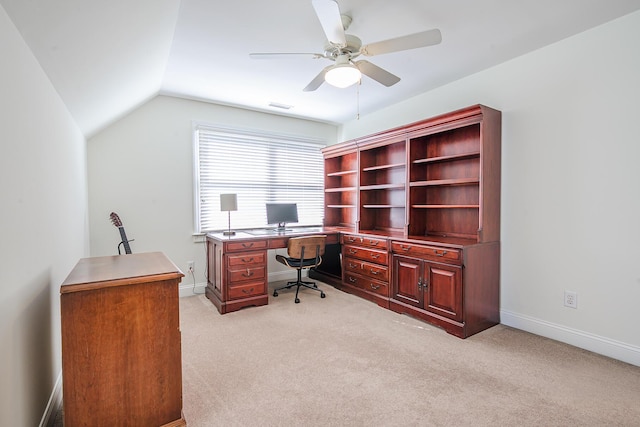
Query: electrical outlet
[190,266]
[570,299]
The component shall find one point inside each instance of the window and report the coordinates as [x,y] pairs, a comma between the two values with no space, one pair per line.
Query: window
[259,167]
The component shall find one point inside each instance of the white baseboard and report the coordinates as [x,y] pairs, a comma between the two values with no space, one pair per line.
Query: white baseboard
[53,405]
[595,343]
[187,290]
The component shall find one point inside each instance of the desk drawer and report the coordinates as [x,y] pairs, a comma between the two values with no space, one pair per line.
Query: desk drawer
[367,284]
[373,255]
[250,245]
[363,240]
[248,273]
[425,251]
[247,290]
[369,269]
[247,259]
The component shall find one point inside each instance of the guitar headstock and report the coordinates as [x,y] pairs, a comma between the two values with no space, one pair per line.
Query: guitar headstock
[115,219]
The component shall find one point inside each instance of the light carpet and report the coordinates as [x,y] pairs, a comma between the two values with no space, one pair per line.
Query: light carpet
[343,361]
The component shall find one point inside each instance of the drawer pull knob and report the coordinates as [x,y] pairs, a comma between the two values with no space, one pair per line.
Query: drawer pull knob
[248,291]
[443,253]
[247,260]
[405,248]
[248,274]
[374,287]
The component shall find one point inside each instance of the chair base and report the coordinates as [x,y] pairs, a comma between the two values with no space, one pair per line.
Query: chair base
[298,283]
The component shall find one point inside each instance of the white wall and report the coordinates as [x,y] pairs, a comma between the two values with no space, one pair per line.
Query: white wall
[142,168]
[570,182]
[43,224]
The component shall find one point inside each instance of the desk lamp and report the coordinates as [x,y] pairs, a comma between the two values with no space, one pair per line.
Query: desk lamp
[228,203]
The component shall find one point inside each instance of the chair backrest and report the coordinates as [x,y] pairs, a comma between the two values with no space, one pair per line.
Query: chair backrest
[310,245]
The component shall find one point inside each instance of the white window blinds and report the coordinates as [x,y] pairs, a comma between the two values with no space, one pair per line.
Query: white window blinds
[259,168]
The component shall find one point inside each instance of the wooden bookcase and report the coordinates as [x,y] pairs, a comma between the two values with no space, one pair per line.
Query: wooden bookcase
[340,186]
[432,190]
[382,186]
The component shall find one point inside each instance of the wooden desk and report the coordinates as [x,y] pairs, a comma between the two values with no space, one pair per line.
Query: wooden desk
[121,355]
[237,265]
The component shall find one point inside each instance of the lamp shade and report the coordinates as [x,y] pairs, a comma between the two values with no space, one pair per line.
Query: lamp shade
[343,73]
[228,202]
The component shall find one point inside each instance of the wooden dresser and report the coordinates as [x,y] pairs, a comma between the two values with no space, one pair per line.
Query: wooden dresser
[121,351]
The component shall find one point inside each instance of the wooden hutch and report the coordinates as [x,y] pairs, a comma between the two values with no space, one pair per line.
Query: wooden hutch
[418,209]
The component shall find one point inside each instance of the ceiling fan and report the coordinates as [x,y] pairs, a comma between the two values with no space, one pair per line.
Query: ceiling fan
[343,48]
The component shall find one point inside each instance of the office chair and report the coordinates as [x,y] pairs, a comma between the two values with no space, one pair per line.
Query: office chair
[303,252]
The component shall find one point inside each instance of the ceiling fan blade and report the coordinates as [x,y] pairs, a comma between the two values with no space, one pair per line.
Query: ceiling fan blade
[376,73]
[293,55]
[329,15]
[317,81]
[411,41]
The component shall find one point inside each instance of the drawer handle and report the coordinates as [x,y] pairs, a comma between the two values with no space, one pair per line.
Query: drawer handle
[248,274]
[373,243]
[247,260]
[374,272]
[248,291]
[375,256]
[374,287]
[405,248]
[247,245]
[443,253]
[353,251]
[351,239]
[353,265]
[352,280]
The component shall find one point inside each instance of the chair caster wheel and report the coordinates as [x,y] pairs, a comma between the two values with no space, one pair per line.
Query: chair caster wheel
[297,300]
[322,295]
[275,293]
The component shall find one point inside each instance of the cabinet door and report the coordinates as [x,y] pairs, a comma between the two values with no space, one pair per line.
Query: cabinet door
[443,289]
[407,274]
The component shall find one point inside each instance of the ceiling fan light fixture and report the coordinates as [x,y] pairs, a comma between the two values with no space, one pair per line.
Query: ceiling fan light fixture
[343,74]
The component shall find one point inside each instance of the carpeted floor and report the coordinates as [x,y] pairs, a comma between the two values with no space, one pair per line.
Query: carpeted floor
[343,361]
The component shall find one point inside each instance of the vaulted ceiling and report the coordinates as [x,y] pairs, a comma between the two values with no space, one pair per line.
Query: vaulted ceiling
[106,58]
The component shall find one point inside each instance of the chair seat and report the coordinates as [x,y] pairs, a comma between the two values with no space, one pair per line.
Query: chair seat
[294,262]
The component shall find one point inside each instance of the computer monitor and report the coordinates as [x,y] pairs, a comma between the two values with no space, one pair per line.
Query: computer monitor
[281,214]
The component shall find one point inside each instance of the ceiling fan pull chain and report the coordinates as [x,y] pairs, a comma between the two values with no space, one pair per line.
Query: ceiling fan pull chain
[358,99]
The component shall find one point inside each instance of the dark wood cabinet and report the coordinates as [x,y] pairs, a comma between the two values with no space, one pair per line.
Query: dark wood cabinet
[236,271]
[365,266]
[121,351]
[431,191]
[433,287]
